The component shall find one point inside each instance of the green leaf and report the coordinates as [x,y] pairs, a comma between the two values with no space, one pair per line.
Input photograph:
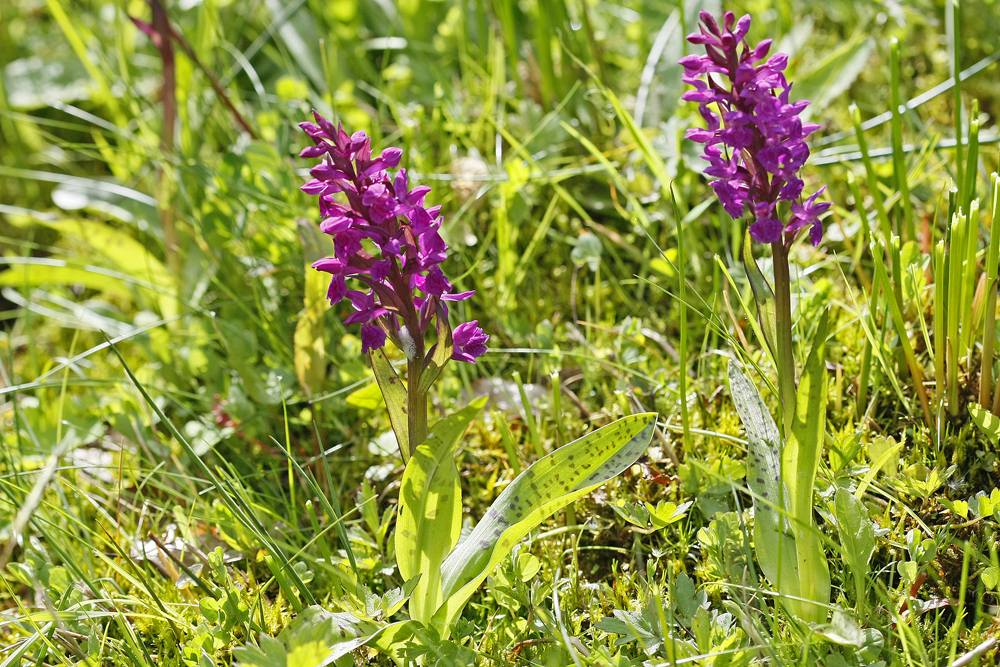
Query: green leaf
[314,638]
[771,532]
[430,510]
[987,422]
[394,639]
[666,513]
[856,536]
[549,484]
[887,450]
[440,354]
[394,394]
[270,654]
[843,630]
[800,461]
[767,309]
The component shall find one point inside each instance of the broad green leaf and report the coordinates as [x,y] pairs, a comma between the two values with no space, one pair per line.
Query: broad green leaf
[270,654]
[766,307]
[394,394]
[987,422]
[986,504]
[552,482]
[118,250]
[430,510]
[666,513]
[772,536]
[395,638]
[991,577]
[957,507]
[800,461]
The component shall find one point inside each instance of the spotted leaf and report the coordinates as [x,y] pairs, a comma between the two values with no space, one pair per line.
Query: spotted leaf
[549,484]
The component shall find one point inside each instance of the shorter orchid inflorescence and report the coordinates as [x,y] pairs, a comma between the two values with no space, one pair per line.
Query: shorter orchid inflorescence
[405,287]
[756,143]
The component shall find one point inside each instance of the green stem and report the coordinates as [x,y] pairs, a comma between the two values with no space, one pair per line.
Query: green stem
[783,317]
[416,404]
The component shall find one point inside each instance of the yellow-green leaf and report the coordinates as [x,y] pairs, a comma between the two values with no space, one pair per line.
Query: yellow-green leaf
[430,510]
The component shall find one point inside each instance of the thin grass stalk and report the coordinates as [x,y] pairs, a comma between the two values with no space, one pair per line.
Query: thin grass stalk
[954,311]
[953,12]
[529,416]
[505,13]
[900,325]
[543,47]
[596,56]
[507,438]
[971,170]
[897,271]
[992,274]
[960,609]
[682,350]
[866,356]
[168,98]
[557,408]
[907,230]
[940,338]
[883,219]
[969,278]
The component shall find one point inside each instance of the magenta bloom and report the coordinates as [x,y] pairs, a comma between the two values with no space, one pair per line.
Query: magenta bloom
[364,206]
[470,342]
[755,142]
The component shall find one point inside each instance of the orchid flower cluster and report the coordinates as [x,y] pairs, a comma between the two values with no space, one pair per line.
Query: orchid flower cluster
[392,217]
[757,145]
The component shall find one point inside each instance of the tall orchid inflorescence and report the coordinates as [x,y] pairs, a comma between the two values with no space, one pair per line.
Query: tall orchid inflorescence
[403,286]
[755,141]
[406,233]
[755,144]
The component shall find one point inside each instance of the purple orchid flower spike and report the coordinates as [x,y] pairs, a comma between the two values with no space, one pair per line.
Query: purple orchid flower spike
[361,202]
[755,142]
[388,244]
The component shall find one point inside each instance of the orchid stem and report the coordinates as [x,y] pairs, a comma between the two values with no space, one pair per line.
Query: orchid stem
[783,316]
[416,404]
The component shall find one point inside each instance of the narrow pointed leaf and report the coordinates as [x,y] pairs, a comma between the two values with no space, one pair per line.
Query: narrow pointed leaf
[394,393]
[440,353]
[766,306]
[800,461]
[771,533]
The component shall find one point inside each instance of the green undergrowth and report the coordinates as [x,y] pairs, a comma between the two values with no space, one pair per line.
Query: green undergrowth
[193,451]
